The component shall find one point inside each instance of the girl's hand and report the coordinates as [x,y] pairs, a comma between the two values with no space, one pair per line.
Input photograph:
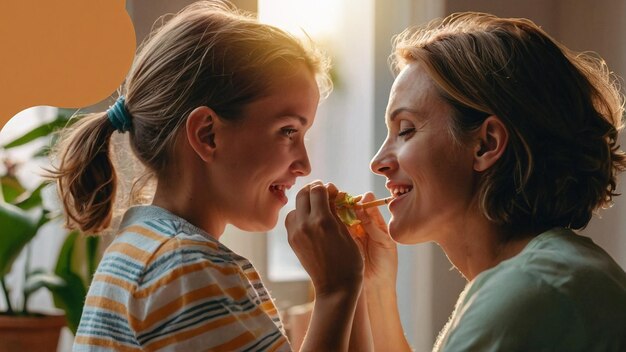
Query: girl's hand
[380,251]
[322,243]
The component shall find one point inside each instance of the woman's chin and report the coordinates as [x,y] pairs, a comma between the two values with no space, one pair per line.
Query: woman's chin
[397,232]
[404,234]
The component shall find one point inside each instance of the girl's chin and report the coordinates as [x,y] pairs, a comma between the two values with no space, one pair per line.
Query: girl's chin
[259,224]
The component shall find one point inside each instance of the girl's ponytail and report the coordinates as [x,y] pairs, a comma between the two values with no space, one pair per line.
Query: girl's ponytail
[85,176]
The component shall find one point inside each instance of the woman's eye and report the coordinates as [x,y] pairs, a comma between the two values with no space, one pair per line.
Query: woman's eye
[406,131]
[406,128]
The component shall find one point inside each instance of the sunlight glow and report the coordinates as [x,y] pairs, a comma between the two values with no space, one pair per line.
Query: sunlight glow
[318,18]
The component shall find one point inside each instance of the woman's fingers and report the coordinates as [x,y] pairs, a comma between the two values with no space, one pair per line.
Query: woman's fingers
[371,219]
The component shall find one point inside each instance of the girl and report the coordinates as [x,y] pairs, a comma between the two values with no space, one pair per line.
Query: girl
[216,106]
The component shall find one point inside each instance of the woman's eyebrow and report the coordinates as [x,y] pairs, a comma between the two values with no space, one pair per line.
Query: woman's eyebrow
[398,111]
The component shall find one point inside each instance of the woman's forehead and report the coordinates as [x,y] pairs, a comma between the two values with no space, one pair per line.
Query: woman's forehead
[414,90]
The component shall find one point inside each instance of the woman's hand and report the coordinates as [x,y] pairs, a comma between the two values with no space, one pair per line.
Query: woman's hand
[322,243]
[379,250]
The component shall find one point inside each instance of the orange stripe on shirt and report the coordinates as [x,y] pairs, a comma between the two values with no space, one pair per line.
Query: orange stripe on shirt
[252,276]
[130,250]
[112,280]
[175,305]
[145,232]
[94,341]
[106,303]
[188,334]
[182,271]
[269,307]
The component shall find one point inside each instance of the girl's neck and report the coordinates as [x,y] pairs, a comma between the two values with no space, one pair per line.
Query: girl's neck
[181,199]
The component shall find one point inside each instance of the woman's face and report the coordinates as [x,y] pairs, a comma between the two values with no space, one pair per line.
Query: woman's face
[431,176]
[260,156]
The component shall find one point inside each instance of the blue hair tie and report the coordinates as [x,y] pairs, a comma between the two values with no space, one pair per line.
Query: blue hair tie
[119,116]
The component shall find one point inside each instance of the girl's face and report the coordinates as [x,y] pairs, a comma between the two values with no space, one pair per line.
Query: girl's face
[431,176]
[260,156]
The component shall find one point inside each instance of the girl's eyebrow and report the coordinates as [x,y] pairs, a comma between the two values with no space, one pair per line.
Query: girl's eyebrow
[303,120]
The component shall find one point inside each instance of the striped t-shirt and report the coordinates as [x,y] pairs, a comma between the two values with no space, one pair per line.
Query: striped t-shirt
[164,284]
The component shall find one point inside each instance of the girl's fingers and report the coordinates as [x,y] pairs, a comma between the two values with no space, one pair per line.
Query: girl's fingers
[303,202]
[332,190]
[319,200]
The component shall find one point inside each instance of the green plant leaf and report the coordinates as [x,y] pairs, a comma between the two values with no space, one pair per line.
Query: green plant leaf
[17,228]
[35,281]
[11,188]
[92,243]
[29,200]
[71,297]
[39,131]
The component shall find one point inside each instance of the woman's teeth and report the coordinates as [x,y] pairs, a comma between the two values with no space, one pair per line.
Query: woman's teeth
[398,191]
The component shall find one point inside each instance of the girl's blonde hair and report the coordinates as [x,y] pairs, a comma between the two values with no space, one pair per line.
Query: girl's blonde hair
[209,54]
[562,109]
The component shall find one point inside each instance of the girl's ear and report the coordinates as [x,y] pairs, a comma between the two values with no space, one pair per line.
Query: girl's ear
[492,140]
[200,128]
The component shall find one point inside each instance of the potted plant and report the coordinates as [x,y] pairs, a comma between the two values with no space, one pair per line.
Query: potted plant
[23,213]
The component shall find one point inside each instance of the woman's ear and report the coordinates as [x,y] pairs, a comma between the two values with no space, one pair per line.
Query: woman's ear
[492,140]
[200,128]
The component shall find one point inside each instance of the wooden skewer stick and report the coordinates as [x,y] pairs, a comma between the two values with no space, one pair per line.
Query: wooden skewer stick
[375,203]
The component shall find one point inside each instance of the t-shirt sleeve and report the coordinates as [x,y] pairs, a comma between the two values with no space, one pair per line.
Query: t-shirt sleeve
[510,311]
[193,298]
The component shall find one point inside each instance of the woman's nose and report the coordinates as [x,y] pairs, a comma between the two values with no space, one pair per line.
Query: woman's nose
[384,161]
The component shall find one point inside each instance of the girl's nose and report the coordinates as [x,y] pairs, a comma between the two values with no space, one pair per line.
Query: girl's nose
[301,166]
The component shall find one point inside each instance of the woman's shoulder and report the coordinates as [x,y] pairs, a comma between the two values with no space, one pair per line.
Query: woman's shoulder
[557,286]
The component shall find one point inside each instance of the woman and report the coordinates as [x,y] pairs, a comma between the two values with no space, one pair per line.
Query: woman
[216,106]
[501,142]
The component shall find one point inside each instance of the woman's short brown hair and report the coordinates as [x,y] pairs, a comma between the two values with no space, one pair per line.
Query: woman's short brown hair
[562,110]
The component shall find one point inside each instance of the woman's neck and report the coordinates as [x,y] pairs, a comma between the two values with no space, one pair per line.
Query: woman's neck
[480,246]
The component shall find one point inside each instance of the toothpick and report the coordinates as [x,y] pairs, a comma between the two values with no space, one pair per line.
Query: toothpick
[374,203]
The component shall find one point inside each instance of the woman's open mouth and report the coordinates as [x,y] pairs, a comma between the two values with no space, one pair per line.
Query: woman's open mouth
[398,192]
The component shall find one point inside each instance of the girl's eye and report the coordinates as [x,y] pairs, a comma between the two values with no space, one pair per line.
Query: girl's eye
[288,132]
